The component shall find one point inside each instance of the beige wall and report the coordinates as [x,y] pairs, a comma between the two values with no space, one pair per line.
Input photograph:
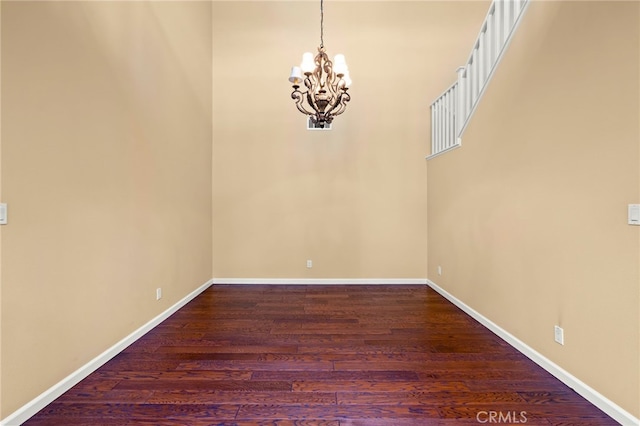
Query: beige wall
[353,199]
[528,218]
[106,168]
[1,411]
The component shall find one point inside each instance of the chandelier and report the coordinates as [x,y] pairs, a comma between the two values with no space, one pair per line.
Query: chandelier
[326,83]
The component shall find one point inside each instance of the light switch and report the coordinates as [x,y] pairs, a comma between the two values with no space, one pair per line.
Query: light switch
[634,214]
[3,213]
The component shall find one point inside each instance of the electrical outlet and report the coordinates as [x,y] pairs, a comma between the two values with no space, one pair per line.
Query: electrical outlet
[439,270]
[558,334]
[158,293]
[3,213]
[634,214]
[309,264]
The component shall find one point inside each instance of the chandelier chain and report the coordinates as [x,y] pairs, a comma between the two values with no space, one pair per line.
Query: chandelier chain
[321,24]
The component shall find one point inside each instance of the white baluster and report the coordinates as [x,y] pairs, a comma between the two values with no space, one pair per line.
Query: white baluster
[452,114]
[481,61]
[435,126]
[472,82]
[454,104]
[467,95]
[461,115]
[433,129]
[439,125]
[498,14]
[508,20]
[474,75]
[447,118]
[443,121]
[489,43]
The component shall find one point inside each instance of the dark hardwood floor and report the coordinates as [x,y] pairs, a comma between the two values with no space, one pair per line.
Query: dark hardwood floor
[320,355]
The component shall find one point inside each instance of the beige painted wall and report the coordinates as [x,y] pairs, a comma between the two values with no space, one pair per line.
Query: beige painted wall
[1,412]
[106,168]
[353,199]
[528,218]
[107,151]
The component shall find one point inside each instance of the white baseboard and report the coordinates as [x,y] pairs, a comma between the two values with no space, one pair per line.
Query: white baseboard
[28,410]
[612,409]
[321,281]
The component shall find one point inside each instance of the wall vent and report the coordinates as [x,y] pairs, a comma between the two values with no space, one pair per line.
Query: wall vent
[312,126]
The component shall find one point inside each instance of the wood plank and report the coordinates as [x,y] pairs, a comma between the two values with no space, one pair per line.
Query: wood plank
[373,385]
[432,397]
[240,398]
[334,412]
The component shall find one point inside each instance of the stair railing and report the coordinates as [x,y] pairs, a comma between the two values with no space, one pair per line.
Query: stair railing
[451,111]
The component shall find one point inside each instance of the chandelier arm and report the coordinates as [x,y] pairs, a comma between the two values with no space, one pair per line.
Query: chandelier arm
[298,96]
[309,83]
[334,83]
[312,103]
[321,60]
[333,88]
[337,92]
[344,98]
[327,65]
[312,86]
